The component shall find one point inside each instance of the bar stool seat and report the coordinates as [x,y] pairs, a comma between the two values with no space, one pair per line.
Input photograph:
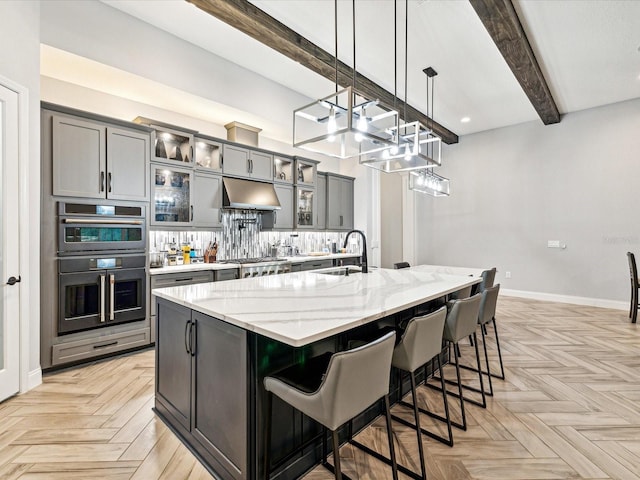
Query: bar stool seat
[352,381]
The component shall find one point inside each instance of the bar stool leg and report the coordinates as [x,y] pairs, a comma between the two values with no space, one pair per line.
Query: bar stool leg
[336,454]
[446,404]
[418,429]
[461,398]
[267,437]
[392,450]
[486,359]
[495,330]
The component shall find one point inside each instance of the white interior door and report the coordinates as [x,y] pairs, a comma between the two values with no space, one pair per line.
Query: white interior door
[9,247]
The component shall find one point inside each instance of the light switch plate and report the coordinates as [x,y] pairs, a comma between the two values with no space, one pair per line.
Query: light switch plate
[553,244]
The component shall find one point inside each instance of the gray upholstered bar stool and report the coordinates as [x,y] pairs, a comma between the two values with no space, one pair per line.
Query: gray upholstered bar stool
[421,342]
[353,381]
[487,315]
[488,278]
[461,322]
[399,265]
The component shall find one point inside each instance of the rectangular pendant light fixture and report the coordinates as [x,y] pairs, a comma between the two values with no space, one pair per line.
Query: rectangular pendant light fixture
[426,181]
[344,124]
[417,148]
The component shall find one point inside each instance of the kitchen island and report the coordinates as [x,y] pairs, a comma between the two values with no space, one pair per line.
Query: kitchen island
[217,341]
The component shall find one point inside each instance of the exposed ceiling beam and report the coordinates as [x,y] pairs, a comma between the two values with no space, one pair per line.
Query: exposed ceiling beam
[246,17]
[501,21]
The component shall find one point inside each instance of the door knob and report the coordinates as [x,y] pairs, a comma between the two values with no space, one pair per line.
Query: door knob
[14,280]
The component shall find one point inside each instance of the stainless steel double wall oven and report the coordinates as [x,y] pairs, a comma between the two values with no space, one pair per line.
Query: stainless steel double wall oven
[101,265]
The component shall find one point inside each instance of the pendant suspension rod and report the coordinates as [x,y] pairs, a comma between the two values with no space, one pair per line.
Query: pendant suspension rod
[353,19]
[335,34]
[406,54]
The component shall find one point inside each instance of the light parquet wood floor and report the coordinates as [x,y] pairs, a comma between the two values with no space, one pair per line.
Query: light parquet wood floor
[569,409]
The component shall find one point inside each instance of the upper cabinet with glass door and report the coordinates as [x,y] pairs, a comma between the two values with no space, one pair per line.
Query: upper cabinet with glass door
[282,169]
[208,156]
[305,171]
[170,144]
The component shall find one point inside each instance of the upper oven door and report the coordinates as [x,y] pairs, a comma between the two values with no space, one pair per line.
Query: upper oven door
[100,235]
[94,228]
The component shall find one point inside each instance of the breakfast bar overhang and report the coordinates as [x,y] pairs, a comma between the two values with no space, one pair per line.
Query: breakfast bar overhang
[217,341]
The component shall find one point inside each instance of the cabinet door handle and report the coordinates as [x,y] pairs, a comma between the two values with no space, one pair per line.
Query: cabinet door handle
[221,160]
[112,293]
[192,213]
[102,181]
[109,182]
[102,279]
[275,217]
[191,150]
[251,163]
[248,166]
[192,338]
[340,220]
[187,335]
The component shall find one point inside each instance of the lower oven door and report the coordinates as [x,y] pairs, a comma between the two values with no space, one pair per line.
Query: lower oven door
[100,298]
[81,300]
[126,298]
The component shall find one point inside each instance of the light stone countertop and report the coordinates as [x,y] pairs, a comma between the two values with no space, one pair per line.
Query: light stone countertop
[194,267]
[466,271]
[304,307]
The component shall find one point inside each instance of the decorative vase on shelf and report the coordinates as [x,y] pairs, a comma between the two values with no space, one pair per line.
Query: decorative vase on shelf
[161,151]
[300,175]
[178,154]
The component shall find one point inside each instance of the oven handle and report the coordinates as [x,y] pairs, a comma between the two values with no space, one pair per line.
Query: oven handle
[112,283]
[98,221]
[102,298]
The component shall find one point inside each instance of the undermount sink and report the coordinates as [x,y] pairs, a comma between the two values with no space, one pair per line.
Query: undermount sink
[343,271]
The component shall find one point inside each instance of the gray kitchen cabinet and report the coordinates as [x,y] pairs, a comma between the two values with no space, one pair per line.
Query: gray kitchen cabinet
[321,201]
[208,154]
[296,267]
[201,372]
[227,274]
[305,207]
[244,162]
[305,171]
[280,219]
[339,202]
[171,190]
[316,264]
[174,361]
[171,144]
[207,200]
[94,160]
[219,420]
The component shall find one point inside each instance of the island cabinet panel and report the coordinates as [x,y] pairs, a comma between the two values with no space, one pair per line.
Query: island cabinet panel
[201,385]
[219,420]
[173,361]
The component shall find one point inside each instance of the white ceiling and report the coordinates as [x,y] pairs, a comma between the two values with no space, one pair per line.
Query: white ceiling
[588,51]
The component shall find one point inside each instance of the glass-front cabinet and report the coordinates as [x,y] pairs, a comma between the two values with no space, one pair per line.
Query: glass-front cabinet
[282,169]
[170,144]
[305,171]
[305,207]
[208,154]
[171,195]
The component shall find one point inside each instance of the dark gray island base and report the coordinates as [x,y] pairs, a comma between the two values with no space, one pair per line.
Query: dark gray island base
[209,391]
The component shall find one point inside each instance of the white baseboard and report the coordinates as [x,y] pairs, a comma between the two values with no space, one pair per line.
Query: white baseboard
[34,378]
[552,297]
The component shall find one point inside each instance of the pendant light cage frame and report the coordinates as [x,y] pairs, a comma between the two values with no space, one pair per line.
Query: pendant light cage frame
[344,124]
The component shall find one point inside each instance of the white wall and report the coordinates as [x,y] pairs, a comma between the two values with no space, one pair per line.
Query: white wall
[391,225]
[20,62]
[515,188]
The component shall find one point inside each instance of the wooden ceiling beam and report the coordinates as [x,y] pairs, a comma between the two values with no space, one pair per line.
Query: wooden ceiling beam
[501,21]
[246,17]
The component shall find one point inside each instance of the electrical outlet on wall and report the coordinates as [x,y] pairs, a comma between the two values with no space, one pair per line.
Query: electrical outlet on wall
[507,274]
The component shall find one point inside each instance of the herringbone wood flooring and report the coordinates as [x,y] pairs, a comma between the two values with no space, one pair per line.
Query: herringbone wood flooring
[568,409]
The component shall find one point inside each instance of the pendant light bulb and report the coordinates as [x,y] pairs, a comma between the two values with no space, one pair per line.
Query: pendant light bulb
[362,124]
[407,152]
[420,180]
[385,154]
[332,125]
[393,150]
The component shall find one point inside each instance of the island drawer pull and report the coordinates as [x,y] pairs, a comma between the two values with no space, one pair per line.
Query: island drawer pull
[104,345]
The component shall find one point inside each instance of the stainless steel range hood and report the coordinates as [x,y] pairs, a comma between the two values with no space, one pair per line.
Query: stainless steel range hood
[249,194]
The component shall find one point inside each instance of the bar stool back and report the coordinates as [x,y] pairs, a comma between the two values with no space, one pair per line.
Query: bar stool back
[354,380]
